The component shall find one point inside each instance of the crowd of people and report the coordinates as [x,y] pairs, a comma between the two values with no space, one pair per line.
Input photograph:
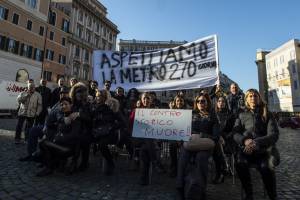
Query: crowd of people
[64,125]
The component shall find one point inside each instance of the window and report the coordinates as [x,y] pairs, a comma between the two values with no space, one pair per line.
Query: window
[47,75]
[29,25]
[97,42]
[52,18]
[31,3]
[281,59]
[62,59]
[283,74]
[104,31]
[109,46]
[292,54]
[79,31]
[77,52]
[26,51]
[103,44]
[110,37]
[85,74]
[49,54]
[97,27]
[51,35]
[86,55]
[15,19]
[275,62]
[22,76]
[2,42]
[13,46]
[41,33]
[89,21]
[80,16]
[63,41]
[65,25]
[295,84]
[88,36]
[38,55]
[3,13]
[76,67]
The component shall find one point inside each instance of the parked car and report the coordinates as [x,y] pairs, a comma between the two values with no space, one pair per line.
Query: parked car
[292,122]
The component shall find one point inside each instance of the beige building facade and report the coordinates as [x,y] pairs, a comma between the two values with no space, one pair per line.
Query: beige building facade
[56,46]
[90,29]
[283,72]
[21,38]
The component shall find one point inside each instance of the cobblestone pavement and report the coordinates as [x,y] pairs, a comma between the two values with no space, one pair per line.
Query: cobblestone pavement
[18,180]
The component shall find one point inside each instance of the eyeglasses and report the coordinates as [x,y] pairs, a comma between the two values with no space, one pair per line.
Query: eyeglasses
[202,101]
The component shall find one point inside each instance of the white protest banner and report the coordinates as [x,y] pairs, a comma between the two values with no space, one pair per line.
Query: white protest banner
[164,124]
[192,65]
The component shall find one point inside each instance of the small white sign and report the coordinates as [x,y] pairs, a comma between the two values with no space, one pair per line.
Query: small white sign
[167,124]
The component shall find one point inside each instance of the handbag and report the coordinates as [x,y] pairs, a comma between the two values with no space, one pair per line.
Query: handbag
[102,131]
[196,143]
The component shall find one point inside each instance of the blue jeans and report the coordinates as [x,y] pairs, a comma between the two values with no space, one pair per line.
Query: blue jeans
[35,133]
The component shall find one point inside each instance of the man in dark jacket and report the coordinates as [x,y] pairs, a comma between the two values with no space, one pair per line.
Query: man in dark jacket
[235,100]
[92,88]
[46,98]
[56,91]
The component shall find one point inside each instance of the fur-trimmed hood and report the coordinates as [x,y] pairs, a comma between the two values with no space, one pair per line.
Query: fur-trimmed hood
[75,88]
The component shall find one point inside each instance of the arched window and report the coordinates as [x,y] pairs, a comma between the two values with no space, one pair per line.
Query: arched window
[76,69]
[22,76]
[85,72]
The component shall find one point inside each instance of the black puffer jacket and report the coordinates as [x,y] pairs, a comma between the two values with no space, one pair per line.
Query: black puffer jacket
[206,126]
[226,121]
[68,134]
[235,103]
[103,115]
[250,125]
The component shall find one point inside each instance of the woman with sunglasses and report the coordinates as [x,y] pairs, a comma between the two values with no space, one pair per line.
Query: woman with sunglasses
[193,165]
[226,144]
[256,132]
[178,103]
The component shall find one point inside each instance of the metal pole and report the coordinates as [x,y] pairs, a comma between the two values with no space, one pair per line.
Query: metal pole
[45,39]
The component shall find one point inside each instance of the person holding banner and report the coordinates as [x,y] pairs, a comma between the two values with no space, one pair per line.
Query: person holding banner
[193,162]
[178,103]
[146,147]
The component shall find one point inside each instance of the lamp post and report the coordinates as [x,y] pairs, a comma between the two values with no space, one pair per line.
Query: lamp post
[45,38]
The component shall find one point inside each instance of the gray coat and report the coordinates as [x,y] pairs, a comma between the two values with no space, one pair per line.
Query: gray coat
[250,125]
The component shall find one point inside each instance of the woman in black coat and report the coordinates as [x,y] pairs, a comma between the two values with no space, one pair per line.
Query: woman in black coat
[66,140]
[193,166]
[104,118]
[256,132]
[226,144]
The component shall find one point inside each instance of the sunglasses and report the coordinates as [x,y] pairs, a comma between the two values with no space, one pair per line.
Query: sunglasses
[202,101]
